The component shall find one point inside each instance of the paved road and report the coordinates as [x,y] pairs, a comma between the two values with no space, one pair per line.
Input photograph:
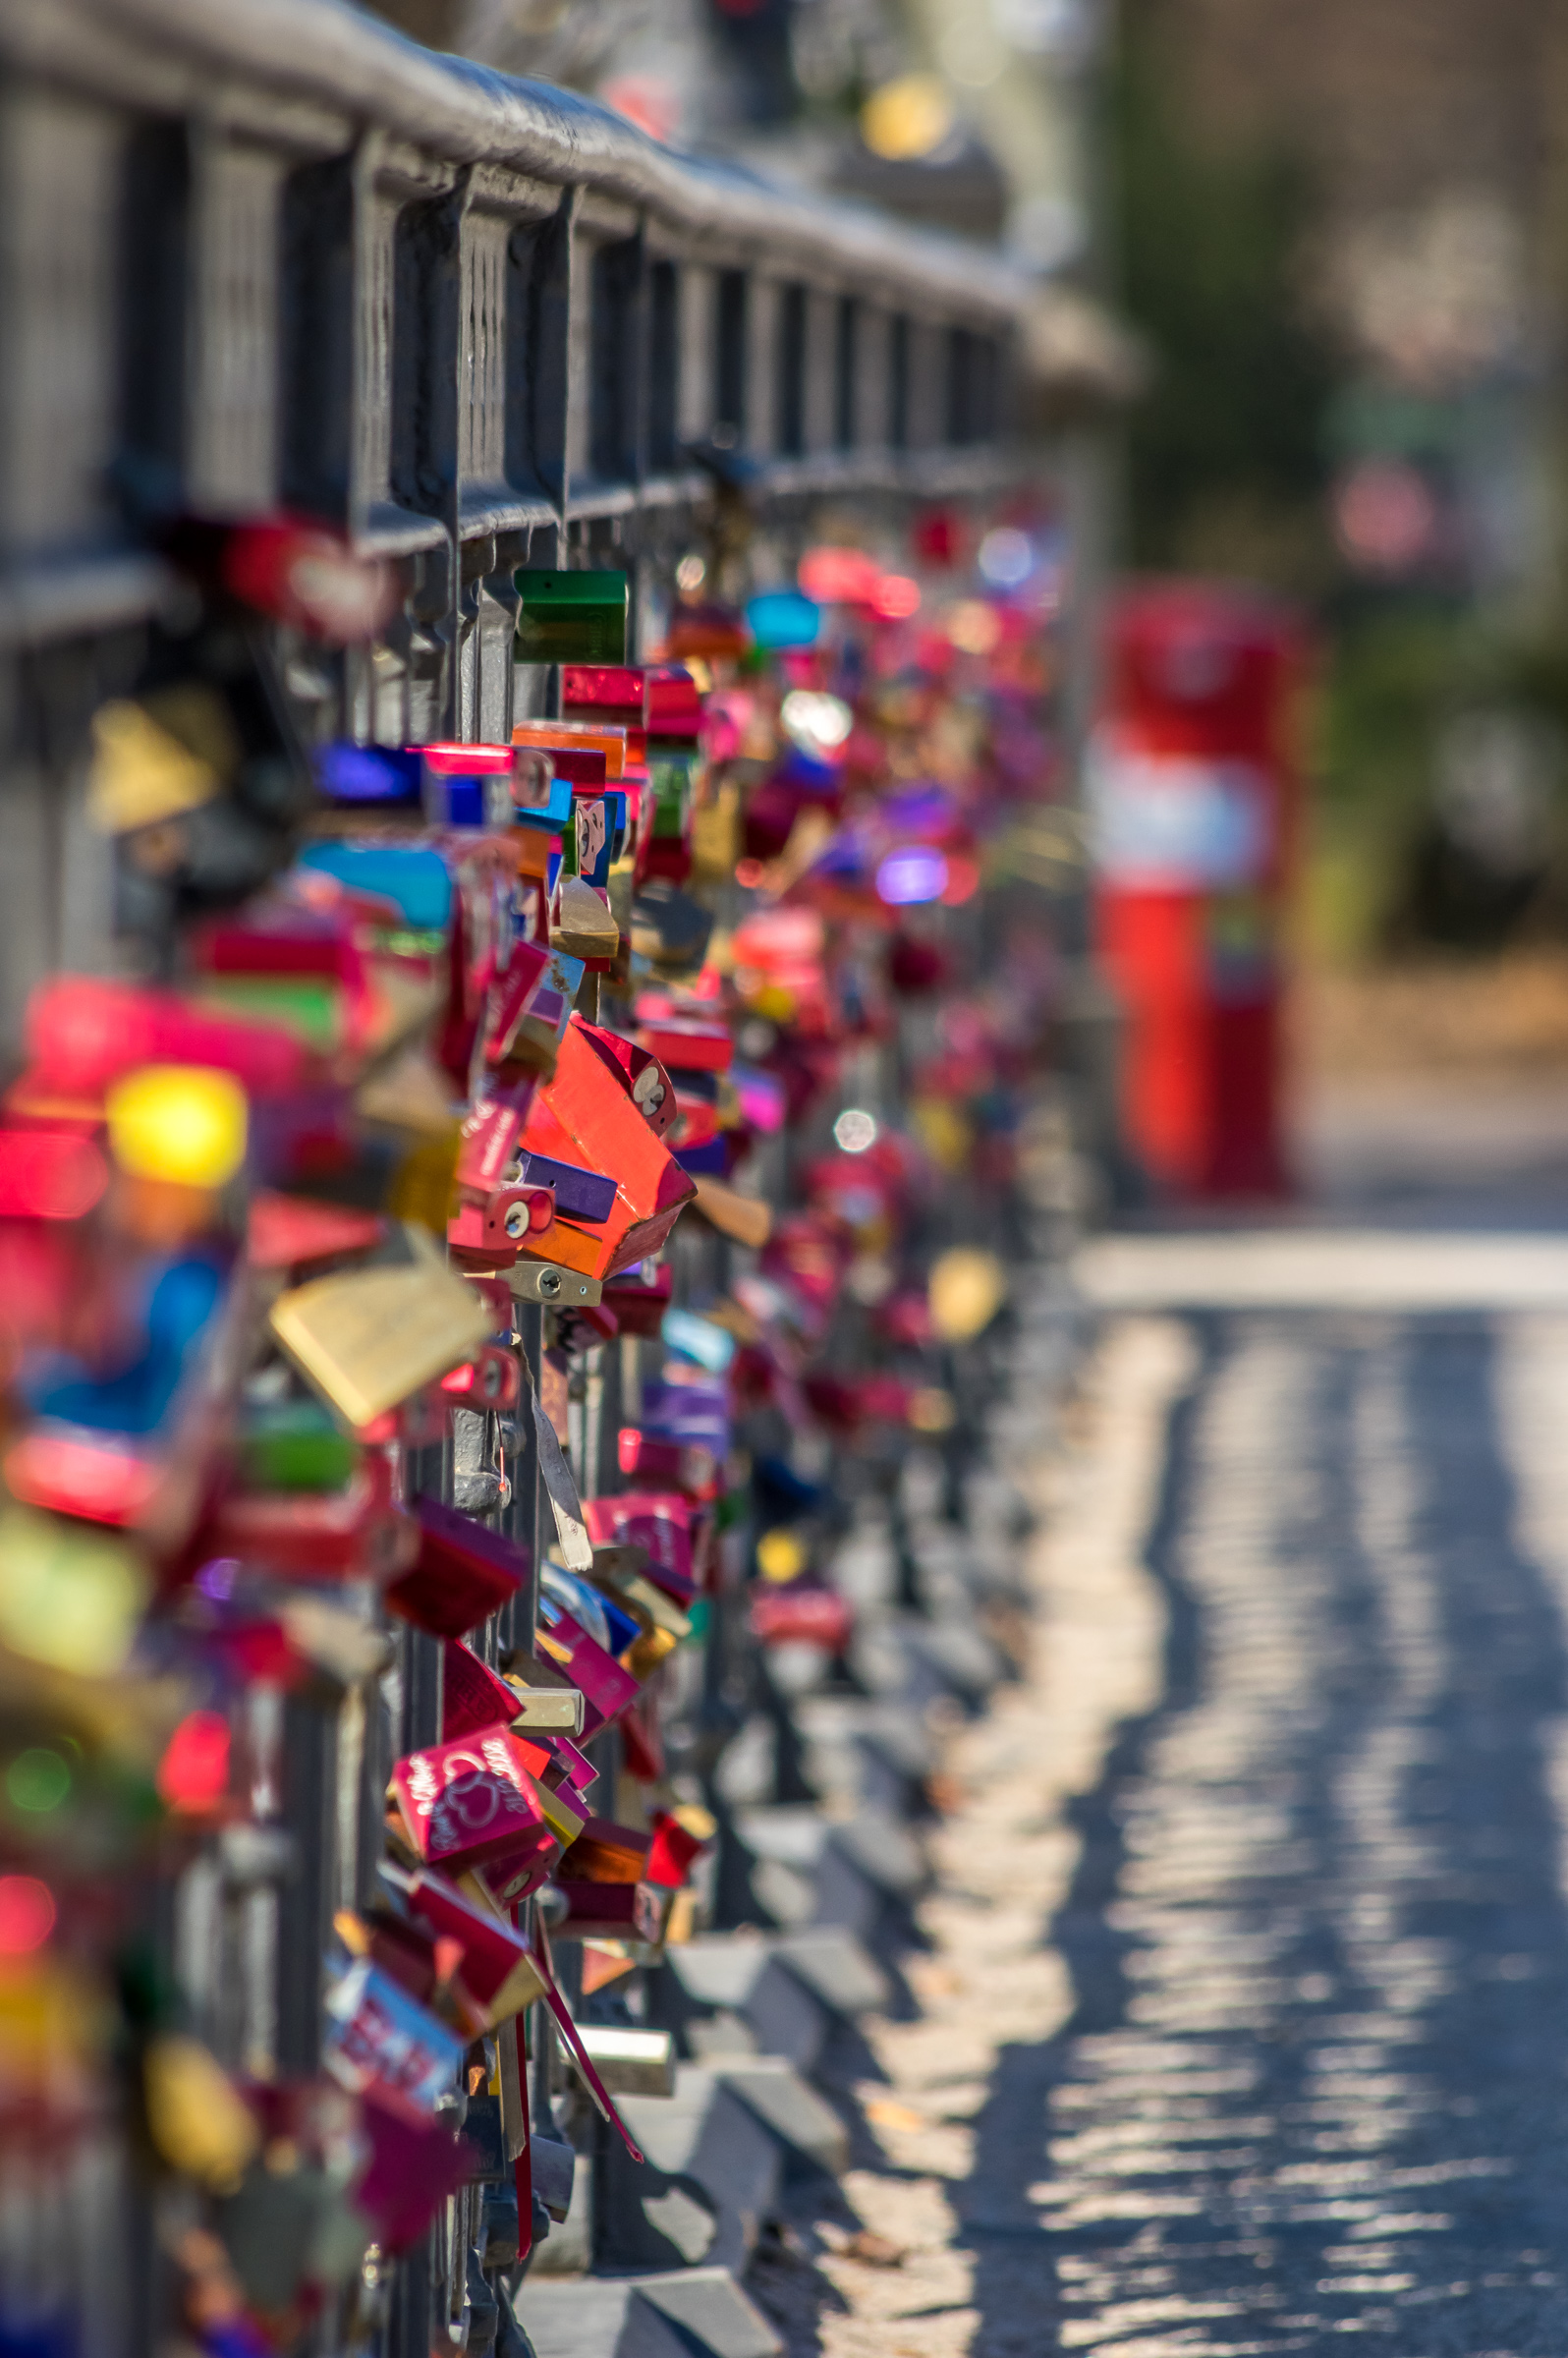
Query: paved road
[1245,2022]
[1314,2079]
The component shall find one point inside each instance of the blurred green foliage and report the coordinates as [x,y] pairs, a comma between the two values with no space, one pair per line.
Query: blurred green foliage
[1229,459]
[1388,675]
[1225,455]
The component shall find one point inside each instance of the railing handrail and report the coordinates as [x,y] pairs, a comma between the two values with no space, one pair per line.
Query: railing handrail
[326,53]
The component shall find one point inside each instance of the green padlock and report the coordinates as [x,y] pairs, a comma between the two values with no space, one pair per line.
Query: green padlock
[572,617]
[295,1445]
[672,776]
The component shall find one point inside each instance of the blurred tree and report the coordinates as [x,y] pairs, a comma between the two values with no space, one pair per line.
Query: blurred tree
[1225,458]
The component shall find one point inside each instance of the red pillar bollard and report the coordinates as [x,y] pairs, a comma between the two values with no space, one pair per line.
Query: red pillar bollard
[1193,793]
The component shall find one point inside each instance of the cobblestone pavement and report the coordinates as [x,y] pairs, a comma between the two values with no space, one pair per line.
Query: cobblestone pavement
[1244,2024]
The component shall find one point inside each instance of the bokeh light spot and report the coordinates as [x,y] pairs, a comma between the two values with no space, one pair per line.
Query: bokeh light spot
[27,1914]
[38,1781]
[855,1130]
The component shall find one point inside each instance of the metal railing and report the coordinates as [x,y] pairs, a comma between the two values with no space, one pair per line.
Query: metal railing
[266,255]
[270,254]
[274,253]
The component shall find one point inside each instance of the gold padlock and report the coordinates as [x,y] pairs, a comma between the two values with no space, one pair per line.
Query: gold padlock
[368,1339]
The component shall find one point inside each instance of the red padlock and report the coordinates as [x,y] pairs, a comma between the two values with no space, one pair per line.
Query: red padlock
[596,1123]
[489,1379]
[607,693]
[490,1233]
[303,573]
[687,1466]
[488,1142]
[474,1696]
[672,705]
[289,1232]
[672,1850]
[510,997]
[473,1800]
[640,1072]
[684,1045]
[639,1299]
[84,1032]
[357,1533]
[464,1573]
[662,1522]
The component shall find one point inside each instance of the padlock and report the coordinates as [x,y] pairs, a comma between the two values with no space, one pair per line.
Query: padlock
[85,1032]
[545,1700]
[669,927]
[647,1649]
[644,1596]
[684,1045]
[488,1232]
[609,692]
[746,1219]
[495,1969]
[490,1379]
[610,1911]
[541,803]
[482,2126]
[586,759]
[293,1445]
[579,1195]
[663,1524]
[416,2163]
[369,776]
[642,1075]
[594,1601]
[573,736]
[464,1803]
[146,771]
[607,1688]
[407,1951]
[275,940]
[472,1695]
[463,1575]
[79,1460]
[696,1122]
[411,877]
[640,1296]
[307,574]
[649,1457]
[488,1142]
[378,2035]
[577,1330]
[582,925]
[48,1173]
[577,1770]
[509,996]
[593,837]
[802,1612]
[352,1533]
[291,1232]
[572,617]
[468,785]
[554,2165]
[498,2245]
[531,1012]
[631,2058]
[706,627]
[367,1339]
[672,705]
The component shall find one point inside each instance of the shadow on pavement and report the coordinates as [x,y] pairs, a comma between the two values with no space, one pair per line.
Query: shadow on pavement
[1315,2073]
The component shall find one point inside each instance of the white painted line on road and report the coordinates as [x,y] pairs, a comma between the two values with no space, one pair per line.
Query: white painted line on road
[1315,1269]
